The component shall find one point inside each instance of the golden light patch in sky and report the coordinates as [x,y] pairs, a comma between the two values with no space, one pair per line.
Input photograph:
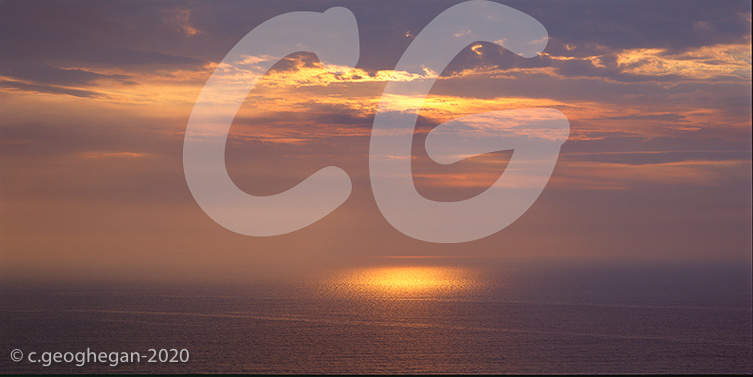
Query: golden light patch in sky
[476,48]
[701,63]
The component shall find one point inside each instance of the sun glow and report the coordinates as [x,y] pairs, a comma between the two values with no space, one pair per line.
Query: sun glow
[407,280]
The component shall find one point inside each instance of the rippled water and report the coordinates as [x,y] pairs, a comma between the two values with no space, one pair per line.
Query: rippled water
[402,318]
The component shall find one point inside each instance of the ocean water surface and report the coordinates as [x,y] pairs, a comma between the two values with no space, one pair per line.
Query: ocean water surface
[399,317]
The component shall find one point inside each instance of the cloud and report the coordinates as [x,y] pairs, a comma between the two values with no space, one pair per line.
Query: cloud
[107,154]
[71,76]
[182,19]
[51,89]
[618,176]
[304,70]
[700,63]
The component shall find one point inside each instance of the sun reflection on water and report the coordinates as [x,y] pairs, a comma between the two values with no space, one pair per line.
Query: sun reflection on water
[404,281]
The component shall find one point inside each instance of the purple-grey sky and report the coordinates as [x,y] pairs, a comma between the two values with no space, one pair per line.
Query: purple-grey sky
[95,98]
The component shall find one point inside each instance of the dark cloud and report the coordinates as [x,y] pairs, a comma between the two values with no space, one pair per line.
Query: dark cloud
[81,33]
[673,25]
[56,76]
[635,150]
[59,39]
[47,89]
[65,135]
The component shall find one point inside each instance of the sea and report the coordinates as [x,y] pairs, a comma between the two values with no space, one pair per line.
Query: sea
[388,317]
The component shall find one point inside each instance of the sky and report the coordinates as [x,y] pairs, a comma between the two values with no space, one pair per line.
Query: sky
[95,98]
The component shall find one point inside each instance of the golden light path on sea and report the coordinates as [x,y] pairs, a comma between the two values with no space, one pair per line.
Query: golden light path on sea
[402,281]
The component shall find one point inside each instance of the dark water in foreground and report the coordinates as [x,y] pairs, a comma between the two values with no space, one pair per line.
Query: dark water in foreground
[400,319]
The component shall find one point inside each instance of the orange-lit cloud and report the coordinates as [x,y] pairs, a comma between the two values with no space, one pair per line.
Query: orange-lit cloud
[182,20]
[113,155]
[700,63]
